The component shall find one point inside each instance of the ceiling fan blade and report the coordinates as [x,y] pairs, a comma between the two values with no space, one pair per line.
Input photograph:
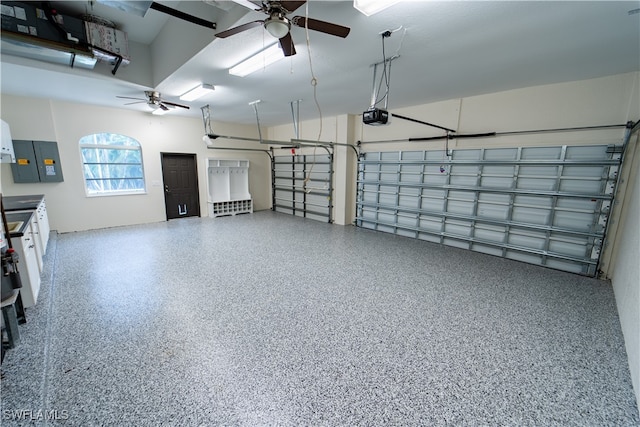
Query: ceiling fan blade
[129,97]
[238,29]
[322,26]
[172,104]
[137,102]
[286,44]
[163,107]
[292,5]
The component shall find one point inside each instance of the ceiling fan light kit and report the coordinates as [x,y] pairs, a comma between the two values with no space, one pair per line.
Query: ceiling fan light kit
[277,26]
[197,92]
[258,61]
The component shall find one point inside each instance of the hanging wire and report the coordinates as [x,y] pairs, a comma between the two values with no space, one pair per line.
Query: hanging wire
[314,83]
[384,76]
[386,64]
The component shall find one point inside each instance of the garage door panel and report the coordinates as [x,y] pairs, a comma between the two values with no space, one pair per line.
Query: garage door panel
[572,267]
[531,215]
[432,205]
[544,184]
[580,186]
[542,205]
[533,201]
[575,248]
[456,243]
[530,240]
[302,185]
[491,250]
[541,153]
[503,199]
[430,223]
[523,256]
[460,207]
[488,233]
[407,220]
[407,200]
[458,228]
[429,237]
[573,220]
[586,152]
[496,181]
[493,211]
[387,199]
[469,181]
[541,171]
[503,154]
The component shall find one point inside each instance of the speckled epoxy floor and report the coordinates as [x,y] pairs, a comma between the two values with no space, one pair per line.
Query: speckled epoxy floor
[267,319]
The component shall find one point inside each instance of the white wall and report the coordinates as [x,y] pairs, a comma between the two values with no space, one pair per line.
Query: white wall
[603,101]
[69,207]
[625,274]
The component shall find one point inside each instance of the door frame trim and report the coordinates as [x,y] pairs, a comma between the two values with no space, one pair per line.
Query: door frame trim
[195,158]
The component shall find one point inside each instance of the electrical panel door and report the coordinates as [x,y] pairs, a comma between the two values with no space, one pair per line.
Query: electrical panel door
[36,161]
[48,161]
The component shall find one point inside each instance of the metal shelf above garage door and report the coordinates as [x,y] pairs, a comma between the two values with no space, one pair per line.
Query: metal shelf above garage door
[542,205]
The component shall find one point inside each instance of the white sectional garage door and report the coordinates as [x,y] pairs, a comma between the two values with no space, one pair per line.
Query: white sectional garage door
[547,206]
[302,185]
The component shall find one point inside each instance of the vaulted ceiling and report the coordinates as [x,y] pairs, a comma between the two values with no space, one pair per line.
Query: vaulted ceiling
[445,50]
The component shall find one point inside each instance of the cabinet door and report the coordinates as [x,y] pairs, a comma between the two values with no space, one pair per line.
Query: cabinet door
[34,234]
[28,268]
[43,225]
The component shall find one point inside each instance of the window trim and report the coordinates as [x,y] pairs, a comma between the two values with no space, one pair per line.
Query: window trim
[137,148]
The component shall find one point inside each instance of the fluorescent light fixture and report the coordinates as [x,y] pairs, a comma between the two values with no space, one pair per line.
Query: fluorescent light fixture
[369,7]
[197,92]
[246,3]
[160,112]
[259,60]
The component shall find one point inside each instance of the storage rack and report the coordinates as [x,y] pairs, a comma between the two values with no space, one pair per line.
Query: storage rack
[228,187]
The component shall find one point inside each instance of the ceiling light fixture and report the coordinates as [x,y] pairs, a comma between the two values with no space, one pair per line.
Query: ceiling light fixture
[197,92]
[260,60]
[277,26]
[370,7]
[160,111]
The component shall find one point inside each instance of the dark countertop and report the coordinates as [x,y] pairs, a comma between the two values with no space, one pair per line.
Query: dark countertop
[21,203]
[25,217]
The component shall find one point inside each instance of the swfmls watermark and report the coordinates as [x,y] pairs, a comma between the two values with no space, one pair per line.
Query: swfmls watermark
[34,414]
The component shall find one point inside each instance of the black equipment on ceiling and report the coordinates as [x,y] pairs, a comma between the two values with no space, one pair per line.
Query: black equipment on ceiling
[278,25]
[140,8]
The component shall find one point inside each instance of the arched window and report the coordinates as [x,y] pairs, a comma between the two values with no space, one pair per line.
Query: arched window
[112,164]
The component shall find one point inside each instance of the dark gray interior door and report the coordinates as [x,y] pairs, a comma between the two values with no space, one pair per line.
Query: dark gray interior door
[180,176]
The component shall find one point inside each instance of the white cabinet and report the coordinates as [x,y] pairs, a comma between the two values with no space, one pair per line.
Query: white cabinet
[25,246]
[34,237]
[7,154]
[228,187]
[41,228]
[42,223]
